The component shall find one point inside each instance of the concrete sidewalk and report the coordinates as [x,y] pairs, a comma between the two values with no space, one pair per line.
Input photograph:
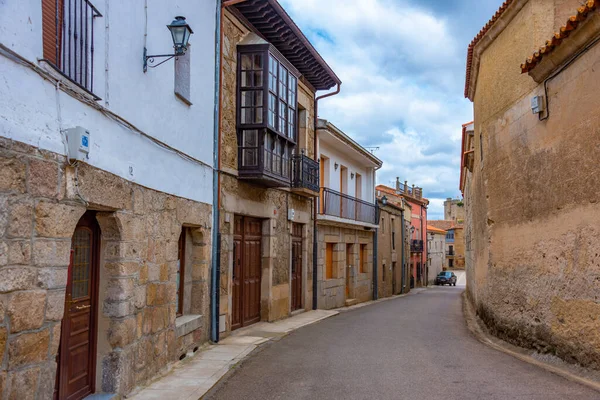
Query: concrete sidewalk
[193,377]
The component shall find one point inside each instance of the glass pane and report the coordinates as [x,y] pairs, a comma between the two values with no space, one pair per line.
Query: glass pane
[246,62]
[82,261]
[272,65]
[247,115]
[271,119]
[250,157]
[291,123]
[272,109]
[250,138]
[258,78]
[252,98]
[292,91]
[258,115]
[282,118]
[246,79]
[258,61]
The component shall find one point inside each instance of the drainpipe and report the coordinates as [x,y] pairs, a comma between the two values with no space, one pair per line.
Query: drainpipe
[403,249]
[215,271]
[423,247]
[375,258]
[315,275]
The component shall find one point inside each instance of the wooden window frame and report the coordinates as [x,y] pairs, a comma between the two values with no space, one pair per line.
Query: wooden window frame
[181,284]
[329,270]
[363,258]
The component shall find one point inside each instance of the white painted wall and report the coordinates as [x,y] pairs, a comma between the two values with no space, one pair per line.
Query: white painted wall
[34,112]
[437,255]
[332,178]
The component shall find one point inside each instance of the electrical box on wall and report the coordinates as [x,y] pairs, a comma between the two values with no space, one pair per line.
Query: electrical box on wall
[537,104]
[291,214]
[78,143]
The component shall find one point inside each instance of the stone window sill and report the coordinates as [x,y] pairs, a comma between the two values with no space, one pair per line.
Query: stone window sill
[187,323]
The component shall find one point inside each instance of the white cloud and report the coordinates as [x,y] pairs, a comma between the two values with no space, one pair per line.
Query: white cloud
[403,73]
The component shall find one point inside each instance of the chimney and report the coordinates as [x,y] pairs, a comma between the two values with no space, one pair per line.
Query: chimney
[405,186]
[397,184]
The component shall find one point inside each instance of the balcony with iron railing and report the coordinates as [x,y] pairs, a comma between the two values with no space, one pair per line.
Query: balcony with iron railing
[341,205]
[450,253]
[305,175]
[416,246]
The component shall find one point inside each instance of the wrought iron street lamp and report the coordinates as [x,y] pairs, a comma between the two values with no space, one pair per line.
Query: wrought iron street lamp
[180,32]
[384,200]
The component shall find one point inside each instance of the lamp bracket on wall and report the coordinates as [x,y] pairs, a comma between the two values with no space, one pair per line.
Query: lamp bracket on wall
[148,60]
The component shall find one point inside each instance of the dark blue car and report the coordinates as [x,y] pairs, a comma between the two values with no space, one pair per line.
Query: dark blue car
[446,278]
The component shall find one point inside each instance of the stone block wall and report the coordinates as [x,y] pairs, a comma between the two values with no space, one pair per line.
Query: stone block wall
[239,197]
[270,205]
[41,201]
[332,292]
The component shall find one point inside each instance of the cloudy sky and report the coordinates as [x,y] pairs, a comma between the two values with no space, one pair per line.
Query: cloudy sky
[402,64]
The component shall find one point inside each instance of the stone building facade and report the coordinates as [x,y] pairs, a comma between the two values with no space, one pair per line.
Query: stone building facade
[138,331]
[105,205]
[267,209]
[454,242]
[533,198]
[347,219]
[393,246]
[454,210]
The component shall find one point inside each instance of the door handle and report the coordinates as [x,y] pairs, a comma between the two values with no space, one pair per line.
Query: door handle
[80,308]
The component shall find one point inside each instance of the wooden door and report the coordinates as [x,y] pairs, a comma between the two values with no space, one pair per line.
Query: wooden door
[246,278]
[77,353]
[296,276]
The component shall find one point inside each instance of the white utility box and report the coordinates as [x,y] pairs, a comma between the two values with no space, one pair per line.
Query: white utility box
[78,143]
[537,104]
[291,214]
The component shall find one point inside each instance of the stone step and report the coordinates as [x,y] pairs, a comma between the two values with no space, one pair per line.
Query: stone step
[351,302]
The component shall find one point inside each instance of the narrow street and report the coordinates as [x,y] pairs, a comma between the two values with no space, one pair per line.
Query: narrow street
[415,347]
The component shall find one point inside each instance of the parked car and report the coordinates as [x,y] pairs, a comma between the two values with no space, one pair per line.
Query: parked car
[445,278]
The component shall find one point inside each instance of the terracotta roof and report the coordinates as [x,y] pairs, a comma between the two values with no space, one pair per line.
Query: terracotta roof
[558,37]
[275,25]
[436,230]
[477,38]
[444,224]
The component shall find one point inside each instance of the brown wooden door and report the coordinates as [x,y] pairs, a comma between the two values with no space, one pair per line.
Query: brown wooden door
[247,266]
[77,354]
[296,267]
[349,264]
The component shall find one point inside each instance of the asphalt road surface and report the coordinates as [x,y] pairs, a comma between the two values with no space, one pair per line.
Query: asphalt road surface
[414,347]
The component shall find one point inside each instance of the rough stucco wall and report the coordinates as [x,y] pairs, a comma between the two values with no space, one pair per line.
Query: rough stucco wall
[39,209]
[500,82]
[536,215]
[437,255]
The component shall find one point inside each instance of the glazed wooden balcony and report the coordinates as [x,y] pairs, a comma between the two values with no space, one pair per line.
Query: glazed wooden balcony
[341,205]
[305,175]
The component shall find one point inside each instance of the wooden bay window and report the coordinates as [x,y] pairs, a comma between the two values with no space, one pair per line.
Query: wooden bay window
[267,114]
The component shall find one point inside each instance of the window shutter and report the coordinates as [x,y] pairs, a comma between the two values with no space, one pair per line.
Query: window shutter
[52,29]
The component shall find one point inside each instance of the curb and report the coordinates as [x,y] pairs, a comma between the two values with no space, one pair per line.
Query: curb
[478,329]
